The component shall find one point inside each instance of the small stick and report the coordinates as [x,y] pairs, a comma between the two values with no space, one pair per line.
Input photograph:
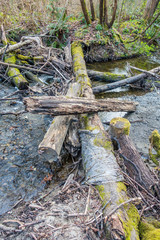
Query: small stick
[13,113]
[27,68]
[88,200]
[144,71]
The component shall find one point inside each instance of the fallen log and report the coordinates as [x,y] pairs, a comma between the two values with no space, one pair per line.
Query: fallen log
[100,163]
[34,78]
[106,87]
[64,105]
[16,77]
[105,76]
[134,163]
[51,145]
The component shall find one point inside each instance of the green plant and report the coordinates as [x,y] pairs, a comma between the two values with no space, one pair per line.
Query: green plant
[99,27]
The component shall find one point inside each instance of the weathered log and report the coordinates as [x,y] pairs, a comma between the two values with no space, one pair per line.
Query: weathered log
[15,46]
[134,163]
[53,140]
[100,163]
[124,82]
[64,105]
[105,76]
[16,77]
[33,78]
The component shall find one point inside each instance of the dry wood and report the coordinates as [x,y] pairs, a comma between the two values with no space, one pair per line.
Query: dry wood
[26,68]
[134,163]
[15,46]
[124,82]
[65,106]
[144,71]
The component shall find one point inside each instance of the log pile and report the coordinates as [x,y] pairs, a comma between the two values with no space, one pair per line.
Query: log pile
[75,102]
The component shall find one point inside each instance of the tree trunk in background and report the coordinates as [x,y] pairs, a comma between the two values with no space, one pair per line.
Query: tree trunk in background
[92,10]
[150,9]
[85,11]
[101,5]
[113,15]
[105,11]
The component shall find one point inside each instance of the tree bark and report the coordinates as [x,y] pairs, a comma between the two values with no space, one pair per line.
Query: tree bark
[92,10]
[150,9]
[101,11]
[100,163]
[85,11]
[65,106]
[109,24]
[135,165]
[105,76]
[124,82]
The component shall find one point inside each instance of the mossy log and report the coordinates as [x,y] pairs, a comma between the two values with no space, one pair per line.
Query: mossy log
[100,163]
[64,105]
[16,77]
[121,83]
[105,76]
[149,229]
[135,165]
[155,144]
[33,78]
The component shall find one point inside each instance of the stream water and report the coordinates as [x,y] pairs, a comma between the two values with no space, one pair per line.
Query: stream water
[22,169]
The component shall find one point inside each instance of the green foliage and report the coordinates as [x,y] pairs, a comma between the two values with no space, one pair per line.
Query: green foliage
[125,30]
[140,47]
[99,27]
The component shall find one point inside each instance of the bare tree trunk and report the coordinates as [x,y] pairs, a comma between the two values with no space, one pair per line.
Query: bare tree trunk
[113,15]
[150,9]
[101,5]
[105,11]
[92,10]
[85,11]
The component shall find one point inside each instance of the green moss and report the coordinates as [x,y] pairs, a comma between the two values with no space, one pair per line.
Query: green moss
[155,144]
[103,194]
[88,126]
[148,231]
[10,59]
[101,141]
[120,125]
[22,57]
[121,187]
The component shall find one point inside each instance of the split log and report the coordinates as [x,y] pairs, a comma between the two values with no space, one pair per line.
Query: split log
[100,163]
[52,143]
[135,165]
[64,105]
[16,77]
[105,76]
[124,82]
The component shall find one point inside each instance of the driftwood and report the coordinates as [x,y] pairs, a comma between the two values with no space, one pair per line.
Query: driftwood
[15,46]
[135,165]
[105,76]
[124,82]
[100,163]
[65,105]
[53,140]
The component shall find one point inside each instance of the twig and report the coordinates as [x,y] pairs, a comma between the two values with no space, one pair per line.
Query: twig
[88,200]
[147,72]
[59,72]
